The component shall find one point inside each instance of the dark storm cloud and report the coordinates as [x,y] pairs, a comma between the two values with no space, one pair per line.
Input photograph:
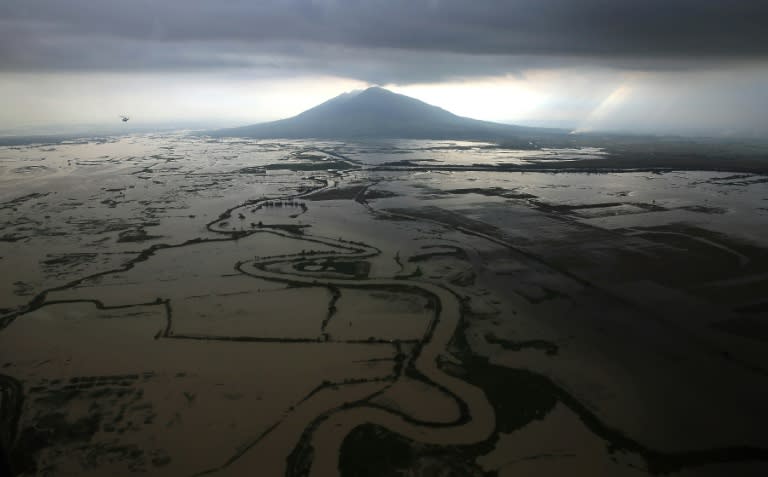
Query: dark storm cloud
[380,41]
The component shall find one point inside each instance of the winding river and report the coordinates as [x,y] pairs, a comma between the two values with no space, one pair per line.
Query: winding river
[327,431]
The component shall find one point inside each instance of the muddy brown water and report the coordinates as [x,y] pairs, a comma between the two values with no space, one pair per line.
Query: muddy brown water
[161,288]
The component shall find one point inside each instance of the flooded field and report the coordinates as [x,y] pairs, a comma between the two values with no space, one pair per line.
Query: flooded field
[173,305]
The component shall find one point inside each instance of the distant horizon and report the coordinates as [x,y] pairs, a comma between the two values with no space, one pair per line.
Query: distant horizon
[137,125]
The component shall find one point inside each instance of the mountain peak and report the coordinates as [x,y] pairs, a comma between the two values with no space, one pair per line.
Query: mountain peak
[376,90]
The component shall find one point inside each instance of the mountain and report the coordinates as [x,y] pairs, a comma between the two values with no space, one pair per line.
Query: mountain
[379,113]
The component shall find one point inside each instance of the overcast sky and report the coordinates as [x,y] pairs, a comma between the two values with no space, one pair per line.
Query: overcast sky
[647,65]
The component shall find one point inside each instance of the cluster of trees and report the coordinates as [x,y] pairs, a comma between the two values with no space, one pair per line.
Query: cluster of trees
[284,203]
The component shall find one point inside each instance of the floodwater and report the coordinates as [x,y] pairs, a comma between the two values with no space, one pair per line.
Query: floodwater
[173,305]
